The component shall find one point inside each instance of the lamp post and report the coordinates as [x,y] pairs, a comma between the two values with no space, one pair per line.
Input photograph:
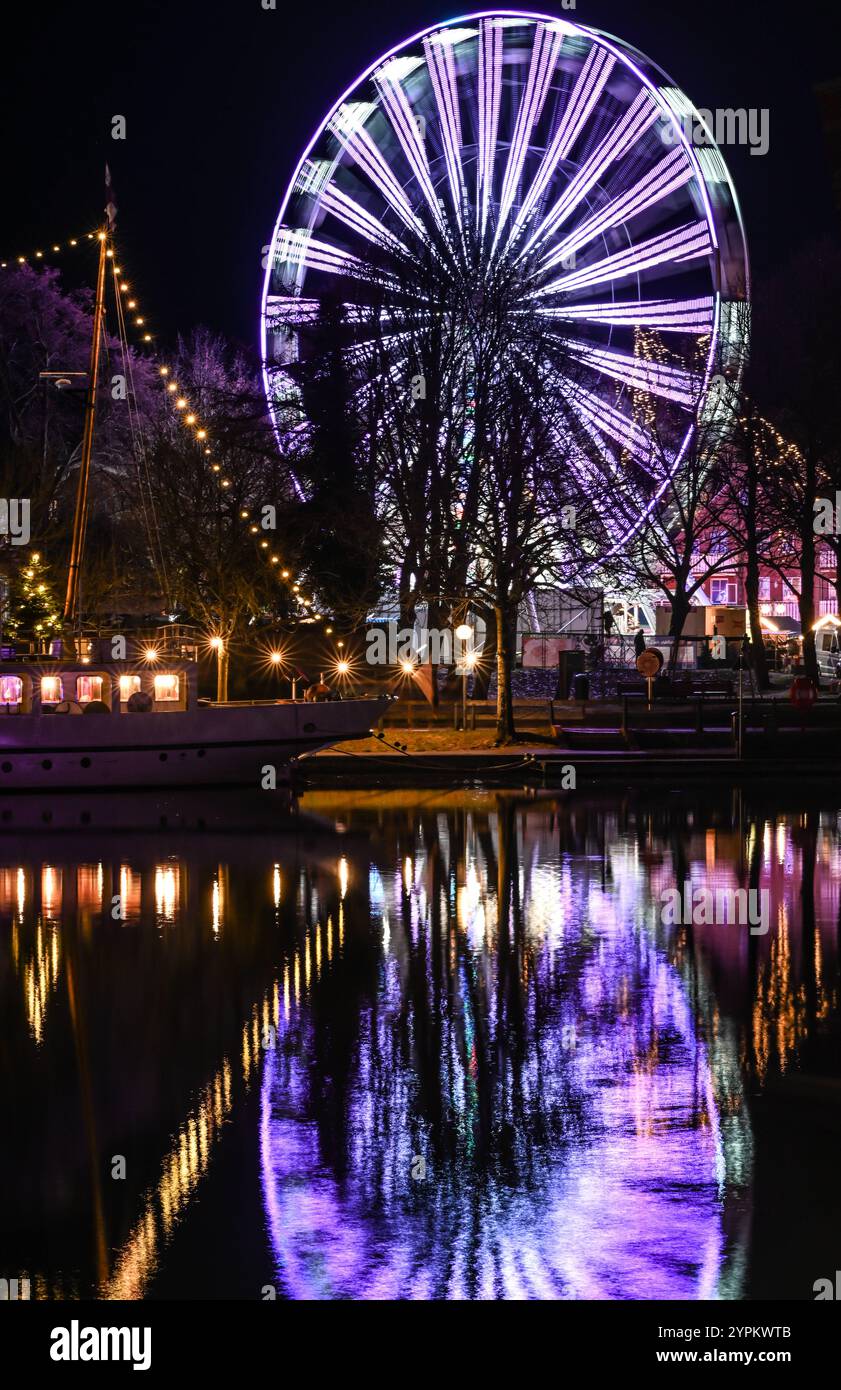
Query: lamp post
[464,633]
[218,646]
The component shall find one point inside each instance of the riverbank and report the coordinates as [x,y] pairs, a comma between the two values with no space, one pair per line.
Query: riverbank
[435,758]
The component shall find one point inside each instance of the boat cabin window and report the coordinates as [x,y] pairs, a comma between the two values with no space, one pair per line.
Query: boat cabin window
[166,687]
[50,690]
[11,690]
[88,688]
[129,685]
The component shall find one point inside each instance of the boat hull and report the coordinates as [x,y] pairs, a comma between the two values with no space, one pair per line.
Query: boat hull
[214,745]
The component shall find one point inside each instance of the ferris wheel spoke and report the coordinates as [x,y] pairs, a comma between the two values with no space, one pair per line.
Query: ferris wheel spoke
[300,248]
[348,126]
[694,316]
[576,404]
[596,465]
[671,173]
[488,100]
[630,435]
[548,41]
[641,114]
[586,92]
[357,218]
[407,128]
[683,244]
[657,379]
[442,71]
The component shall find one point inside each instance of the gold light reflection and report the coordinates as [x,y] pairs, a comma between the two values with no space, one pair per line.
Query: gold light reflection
[343,877]
[182,1169]
[781,843]
[51,890]
[130,892]
[276,885]
[167,884]
[219,898]
[89,880]
[40,974]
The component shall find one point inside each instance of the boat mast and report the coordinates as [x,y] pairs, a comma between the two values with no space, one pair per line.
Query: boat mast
[80,518]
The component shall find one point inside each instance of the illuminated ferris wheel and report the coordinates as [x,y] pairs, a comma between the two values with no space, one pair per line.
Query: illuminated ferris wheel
[521,141]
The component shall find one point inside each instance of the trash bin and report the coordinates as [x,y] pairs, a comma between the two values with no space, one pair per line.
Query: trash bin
[580,686]
[569,664]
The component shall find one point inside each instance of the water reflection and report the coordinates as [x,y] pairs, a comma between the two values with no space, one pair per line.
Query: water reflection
[473,1061]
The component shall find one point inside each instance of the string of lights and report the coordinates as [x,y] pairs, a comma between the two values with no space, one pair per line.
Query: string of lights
[53,249]
[188,415]
[131,314]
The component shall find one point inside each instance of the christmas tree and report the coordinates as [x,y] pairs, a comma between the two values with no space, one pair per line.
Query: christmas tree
[31,609]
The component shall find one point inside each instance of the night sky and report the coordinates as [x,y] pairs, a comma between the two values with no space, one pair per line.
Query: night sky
[221,98]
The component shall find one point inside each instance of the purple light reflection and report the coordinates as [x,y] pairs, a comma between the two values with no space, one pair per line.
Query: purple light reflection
[587,1165]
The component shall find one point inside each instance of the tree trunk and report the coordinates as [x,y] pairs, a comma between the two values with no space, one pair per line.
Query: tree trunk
[806,602]
[504,665]
[680,611]
[484,668]
[757,646]
[806,605]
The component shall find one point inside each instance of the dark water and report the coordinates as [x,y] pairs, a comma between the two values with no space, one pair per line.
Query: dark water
[422,1045]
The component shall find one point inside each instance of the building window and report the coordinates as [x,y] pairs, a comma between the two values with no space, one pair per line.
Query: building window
[166,687]
[764,588]
[88,688]
[11,690]
[722,591]
[50,690]
[129,685]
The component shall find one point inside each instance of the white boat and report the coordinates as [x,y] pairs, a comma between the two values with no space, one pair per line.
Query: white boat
[71,725]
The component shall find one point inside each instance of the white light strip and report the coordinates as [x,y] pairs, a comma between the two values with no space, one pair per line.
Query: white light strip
[684,244]
[353,215]
[545,53]
[490,88]
[586,92]
[302,248]
[361,147]
[625,431]
[439,57]
[667,315]
[641,114]
[672,172]
[408,133]
[658,379]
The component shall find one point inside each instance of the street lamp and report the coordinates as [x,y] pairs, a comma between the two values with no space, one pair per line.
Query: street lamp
[464,633]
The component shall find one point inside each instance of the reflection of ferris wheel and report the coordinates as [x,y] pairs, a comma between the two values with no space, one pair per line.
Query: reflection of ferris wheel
[557,151]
